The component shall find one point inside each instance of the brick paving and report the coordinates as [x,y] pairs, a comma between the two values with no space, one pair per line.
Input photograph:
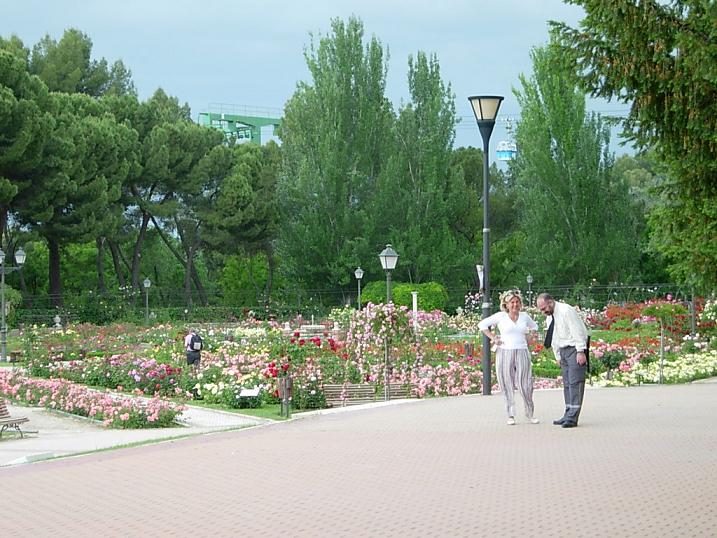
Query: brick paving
[642,463]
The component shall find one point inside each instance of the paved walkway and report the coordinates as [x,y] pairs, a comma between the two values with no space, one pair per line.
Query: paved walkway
[642,463]
[56,434]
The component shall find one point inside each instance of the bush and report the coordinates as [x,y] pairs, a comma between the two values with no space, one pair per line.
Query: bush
[431,295]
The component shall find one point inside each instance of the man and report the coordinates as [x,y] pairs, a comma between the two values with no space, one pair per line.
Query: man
[568,337]
[193,347]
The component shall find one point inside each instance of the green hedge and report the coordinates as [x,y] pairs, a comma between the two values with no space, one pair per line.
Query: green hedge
[431,295]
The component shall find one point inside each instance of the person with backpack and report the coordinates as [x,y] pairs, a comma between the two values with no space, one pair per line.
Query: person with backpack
[193,346]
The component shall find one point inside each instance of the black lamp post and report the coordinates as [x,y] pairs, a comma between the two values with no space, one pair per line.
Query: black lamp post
[389,259]
[485,108]
[20,259]
[358,273]
[147,283]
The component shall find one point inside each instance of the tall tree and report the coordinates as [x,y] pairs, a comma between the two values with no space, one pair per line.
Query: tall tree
[575,216]
[89,159]
[334,133]
[422,200]
[661,58]
[25,125]
[66,66]
[237,208]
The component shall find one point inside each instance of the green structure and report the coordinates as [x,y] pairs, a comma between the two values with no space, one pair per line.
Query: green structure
[237,122]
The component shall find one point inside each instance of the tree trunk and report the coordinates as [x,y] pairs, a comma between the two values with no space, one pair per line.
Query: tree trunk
[117,263]
[136,255]
[101,286]
[187,266]
[53,247]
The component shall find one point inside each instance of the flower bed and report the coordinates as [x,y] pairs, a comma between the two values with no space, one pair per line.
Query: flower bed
[112,411]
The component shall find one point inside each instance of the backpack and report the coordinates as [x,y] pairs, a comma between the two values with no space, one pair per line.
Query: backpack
[196,342]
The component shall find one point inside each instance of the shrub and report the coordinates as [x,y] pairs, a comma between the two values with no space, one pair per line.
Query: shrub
[431,295]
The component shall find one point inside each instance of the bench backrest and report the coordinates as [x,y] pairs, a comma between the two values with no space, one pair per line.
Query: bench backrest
[4,413]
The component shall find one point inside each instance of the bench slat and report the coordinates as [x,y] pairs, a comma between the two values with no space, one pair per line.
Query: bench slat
[6,421]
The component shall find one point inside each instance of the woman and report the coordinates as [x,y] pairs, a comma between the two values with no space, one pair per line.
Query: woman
[513,357]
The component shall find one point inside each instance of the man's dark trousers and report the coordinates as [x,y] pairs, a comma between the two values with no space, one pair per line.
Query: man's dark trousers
[573,383]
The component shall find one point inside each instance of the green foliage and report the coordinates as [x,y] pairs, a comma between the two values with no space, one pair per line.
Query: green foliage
[66,66]
[661,58]
[666,313]
[431,295]
[422,197]
[334,143]
[571,203]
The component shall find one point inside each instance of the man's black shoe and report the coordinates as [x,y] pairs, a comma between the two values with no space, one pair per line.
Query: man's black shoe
[559,422]
[568,424]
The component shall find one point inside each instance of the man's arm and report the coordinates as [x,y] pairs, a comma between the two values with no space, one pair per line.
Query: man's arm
[578,333]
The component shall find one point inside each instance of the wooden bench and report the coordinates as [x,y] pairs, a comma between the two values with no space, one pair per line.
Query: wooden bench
[7,422]
[361,393]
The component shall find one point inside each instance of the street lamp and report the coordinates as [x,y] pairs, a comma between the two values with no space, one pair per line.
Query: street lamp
[485,108]
[20,259]
[358,273]
[389,259]
[530,291]
[147,283]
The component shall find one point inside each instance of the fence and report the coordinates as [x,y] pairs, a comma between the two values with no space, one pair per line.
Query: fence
[163,304]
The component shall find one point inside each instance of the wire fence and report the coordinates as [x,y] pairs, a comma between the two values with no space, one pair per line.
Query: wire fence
[163,304]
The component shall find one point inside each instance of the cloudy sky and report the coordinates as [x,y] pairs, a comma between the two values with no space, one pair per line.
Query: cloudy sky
[251,53]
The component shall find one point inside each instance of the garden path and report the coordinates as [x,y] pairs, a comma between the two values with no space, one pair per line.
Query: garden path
[642,463]
[60,434]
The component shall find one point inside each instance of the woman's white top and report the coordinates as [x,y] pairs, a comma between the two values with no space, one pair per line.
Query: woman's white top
[512,333]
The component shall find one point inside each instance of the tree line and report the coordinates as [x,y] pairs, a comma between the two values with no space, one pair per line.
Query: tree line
[106,189]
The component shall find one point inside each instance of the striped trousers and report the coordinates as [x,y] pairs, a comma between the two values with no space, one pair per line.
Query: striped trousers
[514,370]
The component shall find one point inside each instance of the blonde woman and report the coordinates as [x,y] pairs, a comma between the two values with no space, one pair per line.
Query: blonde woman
[512,364]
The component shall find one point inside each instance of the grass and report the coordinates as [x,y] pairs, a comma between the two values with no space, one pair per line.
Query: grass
[268,411]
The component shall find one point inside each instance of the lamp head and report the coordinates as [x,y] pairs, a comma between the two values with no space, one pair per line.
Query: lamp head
[389,258]
[485,107]
[358,273]
[20,256]
[147,283]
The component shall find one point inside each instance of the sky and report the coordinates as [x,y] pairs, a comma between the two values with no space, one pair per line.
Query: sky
[251,54]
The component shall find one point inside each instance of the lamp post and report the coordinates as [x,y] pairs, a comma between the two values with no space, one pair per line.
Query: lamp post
[485,108]
[20,259]
[358,273]
[529,279]
[389,259]
[147,283]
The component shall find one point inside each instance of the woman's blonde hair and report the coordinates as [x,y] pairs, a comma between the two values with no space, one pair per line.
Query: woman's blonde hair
[506,297]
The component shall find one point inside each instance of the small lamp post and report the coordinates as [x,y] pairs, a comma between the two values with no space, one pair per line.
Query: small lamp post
[358,273]
[20,260]
[485,108]
[389,259]
[147,283]
[529,279]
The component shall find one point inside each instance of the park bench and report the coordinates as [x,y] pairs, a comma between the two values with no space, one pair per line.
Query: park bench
[7,422]
[361,393]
